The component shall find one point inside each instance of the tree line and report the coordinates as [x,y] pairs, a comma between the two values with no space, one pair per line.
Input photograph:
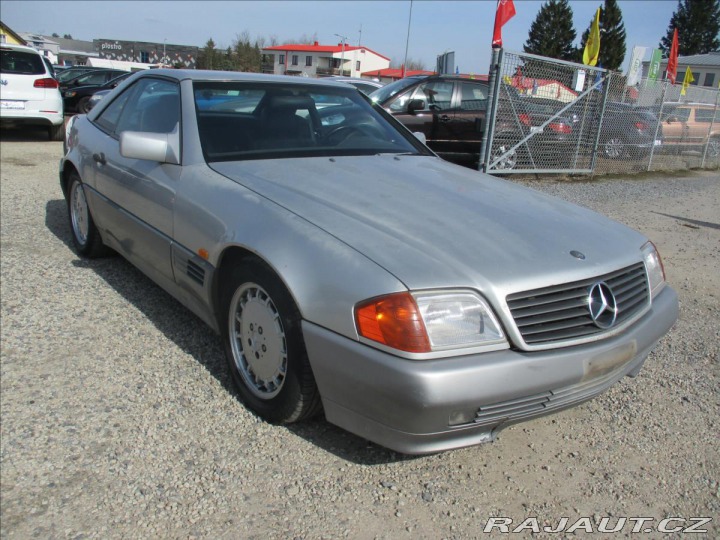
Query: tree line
[552,33]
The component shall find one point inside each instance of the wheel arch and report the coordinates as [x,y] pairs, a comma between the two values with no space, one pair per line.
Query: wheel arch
[67,169]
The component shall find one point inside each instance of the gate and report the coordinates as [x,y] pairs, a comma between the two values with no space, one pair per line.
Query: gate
[545,116]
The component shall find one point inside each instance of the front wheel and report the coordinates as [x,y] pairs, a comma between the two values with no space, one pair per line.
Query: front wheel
[83,106]
[264,346]
[615,147]
[85,236]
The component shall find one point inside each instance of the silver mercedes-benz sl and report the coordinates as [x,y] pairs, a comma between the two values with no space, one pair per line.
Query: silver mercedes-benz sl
[348,269]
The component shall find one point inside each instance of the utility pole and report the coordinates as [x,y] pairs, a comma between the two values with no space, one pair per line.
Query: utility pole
[342,58]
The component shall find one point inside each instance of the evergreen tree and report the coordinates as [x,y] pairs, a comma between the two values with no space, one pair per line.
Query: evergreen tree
[698,26]
[552,33]
[207,57]
[612,37]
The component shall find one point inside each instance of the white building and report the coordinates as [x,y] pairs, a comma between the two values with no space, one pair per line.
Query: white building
[705,69]
[318,60]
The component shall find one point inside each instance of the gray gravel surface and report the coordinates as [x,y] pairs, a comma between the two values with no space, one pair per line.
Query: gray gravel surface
[119,419]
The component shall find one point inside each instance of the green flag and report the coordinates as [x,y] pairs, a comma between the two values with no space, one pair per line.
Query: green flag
[654,70]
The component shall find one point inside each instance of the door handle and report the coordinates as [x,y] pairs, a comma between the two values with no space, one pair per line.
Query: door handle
[100,158]
[444,118]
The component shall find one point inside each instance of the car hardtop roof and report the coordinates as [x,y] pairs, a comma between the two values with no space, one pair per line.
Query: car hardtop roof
[199,75]
[691,103]
[16,47]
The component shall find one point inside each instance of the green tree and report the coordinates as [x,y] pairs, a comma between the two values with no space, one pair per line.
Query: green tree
[207,56]
[552,33]
[55,34]
[612,37]
[67,36]
[698,26]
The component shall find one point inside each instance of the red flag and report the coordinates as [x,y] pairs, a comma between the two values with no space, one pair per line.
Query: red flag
[672,60]
[505,12]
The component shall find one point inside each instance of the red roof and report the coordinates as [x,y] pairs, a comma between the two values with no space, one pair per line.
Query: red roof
[396,73]
[320,48]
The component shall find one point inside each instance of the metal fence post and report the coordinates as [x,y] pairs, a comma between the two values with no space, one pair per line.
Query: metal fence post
[659,123]
[493,82]
[606,91]
[712,122]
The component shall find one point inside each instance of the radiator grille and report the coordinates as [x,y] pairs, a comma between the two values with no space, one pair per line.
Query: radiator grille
[560,313]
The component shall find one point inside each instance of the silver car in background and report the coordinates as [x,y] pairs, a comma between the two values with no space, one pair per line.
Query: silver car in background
[348,269]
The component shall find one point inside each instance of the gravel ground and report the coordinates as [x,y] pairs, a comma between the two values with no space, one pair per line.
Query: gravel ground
[119,419]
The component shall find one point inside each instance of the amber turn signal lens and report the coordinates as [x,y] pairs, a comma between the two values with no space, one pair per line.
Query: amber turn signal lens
[393,320]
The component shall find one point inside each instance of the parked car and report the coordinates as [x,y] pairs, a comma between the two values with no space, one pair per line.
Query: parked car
[692,126]
[366,86]
[348,269]
[29,94]
[95,98]
[91,78]
[74,71]
[451,113]
[629,131]
[77,98]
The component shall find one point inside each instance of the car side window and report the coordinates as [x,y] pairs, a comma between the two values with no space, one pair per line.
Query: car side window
[108,119]
[154,107]
[473,97]
[436,94]
[683,113]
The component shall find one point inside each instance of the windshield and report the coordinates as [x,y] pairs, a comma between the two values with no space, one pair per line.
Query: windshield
[239,121]
[381,95]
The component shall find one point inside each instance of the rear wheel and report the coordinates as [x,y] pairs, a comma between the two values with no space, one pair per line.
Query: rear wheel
[614,147]
[82,105]
[86,238]
[508,158]
[264,346]
[57,133]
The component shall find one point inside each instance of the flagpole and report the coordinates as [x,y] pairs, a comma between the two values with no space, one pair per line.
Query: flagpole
[487,129]
[407,41]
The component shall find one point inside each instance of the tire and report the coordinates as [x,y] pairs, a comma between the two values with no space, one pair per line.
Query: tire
[264,345]
[85,236]
[614,147]
[510,161]
[82,105]
[713,149]
[57,133]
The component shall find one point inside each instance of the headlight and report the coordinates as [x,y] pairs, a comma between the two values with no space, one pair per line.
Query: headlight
[70,94]
[429,321]
[654,268]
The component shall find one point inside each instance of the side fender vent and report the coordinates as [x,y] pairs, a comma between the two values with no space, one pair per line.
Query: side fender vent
[196,272]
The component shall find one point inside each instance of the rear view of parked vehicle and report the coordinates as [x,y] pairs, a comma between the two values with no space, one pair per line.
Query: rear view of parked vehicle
[29,94]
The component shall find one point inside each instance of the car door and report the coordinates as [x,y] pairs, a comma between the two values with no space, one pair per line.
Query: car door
[141,193]
[434,118]
[675,129]
[469,122]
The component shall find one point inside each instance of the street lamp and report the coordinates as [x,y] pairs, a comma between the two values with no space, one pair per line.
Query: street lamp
[342,57]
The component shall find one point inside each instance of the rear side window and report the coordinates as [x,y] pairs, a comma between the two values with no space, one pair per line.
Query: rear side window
[21,63]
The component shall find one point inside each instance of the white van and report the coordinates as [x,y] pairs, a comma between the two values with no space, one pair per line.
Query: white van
[29,92]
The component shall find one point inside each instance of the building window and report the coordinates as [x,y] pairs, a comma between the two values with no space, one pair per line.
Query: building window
[295,59]
[308,61]
[281,59]
[144,57]
[709,79]
[357,65]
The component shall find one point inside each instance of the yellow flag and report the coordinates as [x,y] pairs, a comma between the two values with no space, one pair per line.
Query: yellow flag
[686,81]
[592,46]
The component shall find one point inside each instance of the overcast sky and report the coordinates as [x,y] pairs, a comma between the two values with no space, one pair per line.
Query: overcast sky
[436,26]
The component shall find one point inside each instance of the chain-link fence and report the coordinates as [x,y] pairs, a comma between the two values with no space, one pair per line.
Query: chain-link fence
[550,116]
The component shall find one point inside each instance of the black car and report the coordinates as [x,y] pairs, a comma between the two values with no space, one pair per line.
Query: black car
[628,131]
[76,99]
[91,78]
[71,72]
[451,113]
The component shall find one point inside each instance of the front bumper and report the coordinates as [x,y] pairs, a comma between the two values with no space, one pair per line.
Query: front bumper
[407,405]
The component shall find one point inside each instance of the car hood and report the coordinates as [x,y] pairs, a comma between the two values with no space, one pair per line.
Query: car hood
[434,224]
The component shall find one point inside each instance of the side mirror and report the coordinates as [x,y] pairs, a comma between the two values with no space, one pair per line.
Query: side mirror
[420,136]
[160,147]
[415,105]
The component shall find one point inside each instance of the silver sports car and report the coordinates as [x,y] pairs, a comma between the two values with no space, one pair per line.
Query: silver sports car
[348,269]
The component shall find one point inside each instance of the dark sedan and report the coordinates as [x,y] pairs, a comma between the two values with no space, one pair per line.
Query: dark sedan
[94,77]
[77,99]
